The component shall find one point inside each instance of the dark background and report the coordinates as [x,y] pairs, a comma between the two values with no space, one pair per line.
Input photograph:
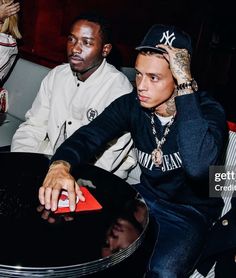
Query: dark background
[44,25]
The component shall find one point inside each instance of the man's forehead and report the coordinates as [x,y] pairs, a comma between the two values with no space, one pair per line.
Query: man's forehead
[152,64]
[86,30]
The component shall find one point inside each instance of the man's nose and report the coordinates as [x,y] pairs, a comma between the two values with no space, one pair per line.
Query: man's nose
[142,84]
[77,48]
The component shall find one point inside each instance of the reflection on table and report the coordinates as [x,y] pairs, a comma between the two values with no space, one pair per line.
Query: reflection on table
[41,243]
[126,227]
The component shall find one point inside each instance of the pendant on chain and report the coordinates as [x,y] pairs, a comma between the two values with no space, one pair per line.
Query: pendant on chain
[157,156]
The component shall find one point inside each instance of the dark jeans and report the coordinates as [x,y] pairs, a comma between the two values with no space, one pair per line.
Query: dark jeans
[181,231]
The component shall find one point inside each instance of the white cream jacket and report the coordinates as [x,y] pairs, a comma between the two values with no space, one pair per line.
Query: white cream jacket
[62,99]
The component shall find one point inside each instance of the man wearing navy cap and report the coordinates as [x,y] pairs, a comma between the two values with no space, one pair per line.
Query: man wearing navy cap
[178,131]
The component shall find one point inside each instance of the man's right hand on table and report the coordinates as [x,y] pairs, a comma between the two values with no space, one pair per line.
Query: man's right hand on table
[57,179]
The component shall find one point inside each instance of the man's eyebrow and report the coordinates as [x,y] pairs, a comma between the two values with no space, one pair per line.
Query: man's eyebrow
[154,74]
[89,38]
[83,37]
[149,73]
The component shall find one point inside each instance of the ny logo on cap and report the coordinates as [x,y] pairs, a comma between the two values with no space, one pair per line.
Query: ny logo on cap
[168,38]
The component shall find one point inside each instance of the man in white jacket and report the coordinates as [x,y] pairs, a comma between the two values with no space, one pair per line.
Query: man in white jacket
[73,94]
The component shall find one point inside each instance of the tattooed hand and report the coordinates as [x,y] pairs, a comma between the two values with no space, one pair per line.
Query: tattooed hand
[179,60]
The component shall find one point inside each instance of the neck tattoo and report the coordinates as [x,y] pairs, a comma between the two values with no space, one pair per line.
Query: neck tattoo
[157,154]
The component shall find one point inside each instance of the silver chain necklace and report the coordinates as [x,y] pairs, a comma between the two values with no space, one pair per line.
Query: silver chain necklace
[157,154]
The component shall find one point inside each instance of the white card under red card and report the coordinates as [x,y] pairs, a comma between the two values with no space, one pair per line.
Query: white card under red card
[89,204]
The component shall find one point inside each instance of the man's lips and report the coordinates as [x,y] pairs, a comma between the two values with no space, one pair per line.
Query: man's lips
[143,98]
[75,59]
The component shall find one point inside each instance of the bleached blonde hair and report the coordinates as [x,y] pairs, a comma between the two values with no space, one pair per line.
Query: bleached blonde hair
[10,25]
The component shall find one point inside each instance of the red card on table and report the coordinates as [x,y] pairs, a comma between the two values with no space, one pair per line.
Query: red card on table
[89,204]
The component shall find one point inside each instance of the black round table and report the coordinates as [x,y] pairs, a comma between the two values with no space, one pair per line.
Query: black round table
[33,246]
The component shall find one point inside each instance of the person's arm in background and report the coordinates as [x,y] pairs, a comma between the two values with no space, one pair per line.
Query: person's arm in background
[31,133]
[8,9]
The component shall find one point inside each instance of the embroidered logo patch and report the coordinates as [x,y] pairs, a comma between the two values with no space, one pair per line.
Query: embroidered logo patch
[92,114]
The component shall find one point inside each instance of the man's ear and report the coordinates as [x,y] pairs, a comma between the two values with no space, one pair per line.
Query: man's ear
[106,49]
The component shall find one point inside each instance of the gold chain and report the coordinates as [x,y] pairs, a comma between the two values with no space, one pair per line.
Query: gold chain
[157,154]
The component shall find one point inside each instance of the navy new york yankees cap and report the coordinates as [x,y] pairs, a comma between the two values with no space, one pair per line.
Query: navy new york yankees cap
[164,34]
